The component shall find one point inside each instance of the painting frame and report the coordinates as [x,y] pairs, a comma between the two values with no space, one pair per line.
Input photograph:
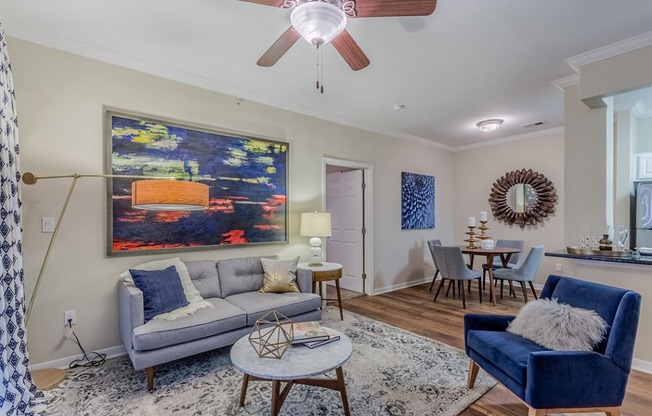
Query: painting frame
[417,201]
[251,207]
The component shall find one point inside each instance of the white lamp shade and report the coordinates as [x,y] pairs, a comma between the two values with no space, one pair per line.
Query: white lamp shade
[316,224]
[318,22]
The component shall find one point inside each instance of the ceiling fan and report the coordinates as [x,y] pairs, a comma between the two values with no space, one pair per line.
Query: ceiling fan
[324,21]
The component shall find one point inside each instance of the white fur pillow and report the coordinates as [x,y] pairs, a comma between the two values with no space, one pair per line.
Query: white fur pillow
[558,326]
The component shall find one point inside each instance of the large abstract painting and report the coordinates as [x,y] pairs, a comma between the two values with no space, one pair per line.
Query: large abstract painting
[417,201]
[247,178]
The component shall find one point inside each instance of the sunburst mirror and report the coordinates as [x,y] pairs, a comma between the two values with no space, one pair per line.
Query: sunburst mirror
[522,197]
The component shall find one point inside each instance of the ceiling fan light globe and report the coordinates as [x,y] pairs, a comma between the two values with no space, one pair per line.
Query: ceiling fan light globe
[318,22]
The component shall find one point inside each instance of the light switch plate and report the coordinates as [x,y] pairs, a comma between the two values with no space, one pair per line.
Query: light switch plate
[47,224]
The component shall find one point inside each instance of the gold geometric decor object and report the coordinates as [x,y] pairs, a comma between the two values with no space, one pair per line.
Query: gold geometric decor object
[272,335]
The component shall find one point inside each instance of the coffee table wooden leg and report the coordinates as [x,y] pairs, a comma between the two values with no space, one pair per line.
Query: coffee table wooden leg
[345,400]
[339,298]
[276,389]
[243,392]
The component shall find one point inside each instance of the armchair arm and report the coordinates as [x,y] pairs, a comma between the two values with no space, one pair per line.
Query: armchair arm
[562,379]
[485,323]
[131,309]
[304,280]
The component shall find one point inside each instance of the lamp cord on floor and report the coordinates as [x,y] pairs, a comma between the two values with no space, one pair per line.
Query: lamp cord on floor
[91,359]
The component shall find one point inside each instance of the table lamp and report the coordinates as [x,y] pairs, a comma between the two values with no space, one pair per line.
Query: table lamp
[315,225]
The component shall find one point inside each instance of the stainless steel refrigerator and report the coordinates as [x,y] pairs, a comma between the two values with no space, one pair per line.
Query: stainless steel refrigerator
[643,214]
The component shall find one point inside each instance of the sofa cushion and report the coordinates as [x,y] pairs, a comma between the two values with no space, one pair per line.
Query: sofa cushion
[222,317]
[257,304]
[507,351]
[204,276]
[280,275]
[240,275]
[162,290]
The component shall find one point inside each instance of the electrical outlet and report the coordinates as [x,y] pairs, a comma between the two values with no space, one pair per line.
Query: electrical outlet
[558,267]
[69,316]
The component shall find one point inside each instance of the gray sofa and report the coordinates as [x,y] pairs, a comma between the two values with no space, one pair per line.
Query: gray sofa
[232,287]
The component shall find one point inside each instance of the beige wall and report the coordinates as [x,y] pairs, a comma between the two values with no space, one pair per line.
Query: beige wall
[621,73]
[585,178]
[644,134]
[60,100]
[476,171]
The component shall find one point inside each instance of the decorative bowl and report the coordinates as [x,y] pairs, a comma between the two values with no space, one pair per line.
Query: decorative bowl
[611,253]
[577,250]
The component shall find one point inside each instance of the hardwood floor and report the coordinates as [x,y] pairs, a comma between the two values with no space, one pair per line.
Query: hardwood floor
[413,309]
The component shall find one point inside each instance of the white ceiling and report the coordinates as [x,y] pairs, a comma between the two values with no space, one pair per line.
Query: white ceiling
[470,60]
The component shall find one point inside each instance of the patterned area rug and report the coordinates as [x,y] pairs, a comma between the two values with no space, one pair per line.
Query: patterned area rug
[391,372]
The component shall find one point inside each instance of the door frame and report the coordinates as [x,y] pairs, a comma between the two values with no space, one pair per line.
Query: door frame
[367,174]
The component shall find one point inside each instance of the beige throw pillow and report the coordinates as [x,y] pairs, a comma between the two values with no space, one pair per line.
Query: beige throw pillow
[280,275]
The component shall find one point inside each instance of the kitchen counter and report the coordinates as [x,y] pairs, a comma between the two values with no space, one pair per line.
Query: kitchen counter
[636,258]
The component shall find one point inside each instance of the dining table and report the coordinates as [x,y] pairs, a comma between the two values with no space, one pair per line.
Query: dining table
[504,252]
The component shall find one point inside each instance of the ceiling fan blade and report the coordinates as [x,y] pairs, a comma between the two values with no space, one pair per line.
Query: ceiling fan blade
[273,3]
[380,8]
[278,49]
[350,51]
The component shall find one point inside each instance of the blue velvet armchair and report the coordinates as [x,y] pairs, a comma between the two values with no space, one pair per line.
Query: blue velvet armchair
[560,381]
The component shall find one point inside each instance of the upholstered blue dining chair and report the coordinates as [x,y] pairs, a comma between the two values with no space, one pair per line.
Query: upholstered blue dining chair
[525,273]
[452,267]
[498,262]
[431,244]
[561,381]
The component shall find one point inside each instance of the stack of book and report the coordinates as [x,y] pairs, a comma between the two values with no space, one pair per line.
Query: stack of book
[312,334]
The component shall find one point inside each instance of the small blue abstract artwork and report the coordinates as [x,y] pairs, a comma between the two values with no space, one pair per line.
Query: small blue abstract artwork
[417,201]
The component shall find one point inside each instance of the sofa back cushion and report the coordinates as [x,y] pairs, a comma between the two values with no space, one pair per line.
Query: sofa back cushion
[204,276]
[240,275]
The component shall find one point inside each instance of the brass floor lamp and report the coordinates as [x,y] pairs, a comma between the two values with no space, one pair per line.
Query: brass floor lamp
[150,193]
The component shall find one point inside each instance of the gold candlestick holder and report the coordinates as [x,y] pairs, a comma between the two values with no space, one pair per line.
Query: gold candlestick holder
[483,227]
[471,240]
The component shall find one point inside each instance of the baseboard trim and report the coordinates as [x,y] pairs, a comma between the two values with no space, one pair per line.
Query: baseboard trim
[642,366]
[110,352]
[387,289]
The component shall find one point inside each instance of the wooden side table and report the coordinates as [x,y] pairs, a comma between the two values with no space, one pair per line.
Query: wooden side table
[325,273]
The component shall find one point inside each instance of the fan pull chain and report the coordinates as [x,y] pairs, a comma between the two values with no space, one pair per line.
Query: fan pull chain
[320,69]
[321,74]
[317,84]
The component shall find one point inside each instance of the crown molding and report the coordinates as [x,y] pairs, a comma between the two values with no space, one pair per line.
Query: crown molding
[89,51]
[565,82]
[595,55]
[511,139]
[637,108]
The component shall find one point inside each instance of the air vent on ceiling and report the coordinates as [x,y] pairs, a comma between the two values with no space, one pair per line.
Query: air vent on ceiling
[535,124]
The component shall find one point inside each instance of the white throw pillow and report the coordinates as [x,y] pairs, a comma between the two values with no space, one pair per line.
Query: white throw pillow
[195,301]
[558,326]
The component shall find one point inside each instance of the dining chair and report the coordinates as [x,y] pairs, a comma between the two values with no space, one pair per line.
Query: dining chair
[431,244]
[451,264]
[498,263]
[526,272]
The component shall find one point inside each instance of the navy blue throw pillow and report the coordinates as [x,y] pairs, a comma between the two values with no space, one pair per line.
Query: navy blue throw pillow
[162,290]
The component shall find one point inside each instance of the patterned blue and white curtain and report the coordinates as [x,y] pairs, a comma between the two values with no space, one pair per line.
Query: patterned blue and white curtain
[18,395]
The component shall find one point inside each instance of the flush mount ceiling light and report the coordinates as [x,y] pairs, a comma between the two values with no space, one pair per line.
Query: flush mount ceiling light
[318,22]
[489,125]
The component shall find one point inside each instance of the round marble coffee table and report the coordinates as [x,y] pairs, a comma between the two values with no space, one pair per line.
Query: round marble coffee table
[297,366]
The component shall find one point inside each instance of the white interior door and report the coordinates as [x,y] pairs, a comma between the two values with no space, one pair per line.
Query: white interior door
[344,196]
